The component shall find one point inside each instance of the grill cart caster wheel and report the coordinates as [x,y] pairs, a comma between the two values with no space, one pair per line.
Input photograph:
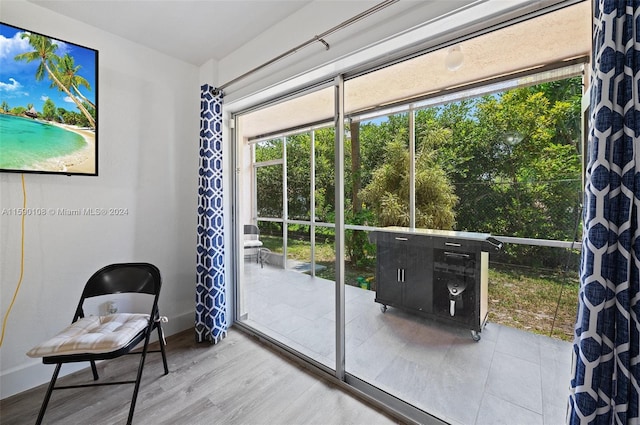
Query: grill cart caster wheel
[383,308]
[475,335]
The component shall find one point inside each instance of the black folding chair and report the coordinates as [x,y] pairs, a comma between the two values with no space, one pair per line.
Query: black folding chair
[107,337]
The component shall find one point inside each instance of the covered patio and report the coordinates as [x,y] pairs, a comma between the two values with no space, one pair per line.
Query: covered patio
[509,376]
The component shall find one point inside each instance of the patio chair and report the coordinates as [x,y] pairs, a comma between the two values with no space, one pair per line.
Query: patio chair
[252,242]
[94,338]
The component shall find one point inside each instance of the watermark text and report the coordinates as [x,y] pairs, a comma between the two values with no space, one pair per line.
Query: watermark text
[63,212]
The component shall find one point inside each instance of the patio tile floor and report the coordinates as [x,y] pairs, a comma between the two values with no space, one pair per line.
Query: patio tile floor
[508,377]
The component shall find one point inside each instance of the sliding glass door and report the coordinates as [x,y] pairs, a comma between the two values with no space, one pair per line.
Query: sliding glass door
[405,217]
[289,296]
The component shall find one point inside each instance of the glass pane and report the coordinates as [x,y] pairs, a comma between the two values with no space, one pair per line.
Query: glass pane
[325,253]
[377,172]
[299,176]
[269,191]
[325,188]
[280,293]
[538,297]
[271,236]
[268,150]
[508,165]
[299,248]
[512,160]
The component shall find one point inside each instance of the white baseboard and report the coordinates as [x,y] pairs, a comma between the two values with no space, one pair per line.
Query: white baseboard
[35,373]
[180,323]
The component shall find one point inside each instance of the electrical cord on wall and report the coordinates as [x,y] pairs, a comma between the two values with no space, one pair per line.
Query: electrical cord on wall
[15,293]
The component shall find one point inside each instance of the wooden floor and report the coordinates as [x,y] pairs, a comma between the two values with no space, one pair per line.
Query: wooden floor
[238,381]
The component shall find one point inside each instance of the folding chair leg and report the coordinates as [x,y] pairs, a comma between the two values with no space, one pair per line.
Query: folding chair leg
[162,344]
[94,370]
[47,396]
[143,357]
[137,386]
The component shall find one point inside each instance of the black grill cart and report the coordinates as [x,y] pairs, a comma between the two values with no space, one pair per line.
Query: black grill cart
[436,273]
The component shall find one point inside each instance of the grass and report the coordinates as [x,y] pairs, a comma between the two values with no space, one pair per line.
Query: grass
[539,301]
[536,300]
[325,255]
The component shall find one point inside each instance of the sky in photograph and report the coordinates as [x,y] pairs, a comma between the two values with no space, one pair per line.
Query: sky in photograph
[18,85]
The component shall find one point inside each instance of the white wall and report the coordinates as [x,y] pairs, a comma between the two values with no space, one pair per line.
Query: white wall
[148,146]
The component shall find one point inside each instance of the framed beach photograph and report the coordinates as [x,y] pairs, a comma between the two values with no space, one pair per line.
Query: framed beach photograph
[48,104]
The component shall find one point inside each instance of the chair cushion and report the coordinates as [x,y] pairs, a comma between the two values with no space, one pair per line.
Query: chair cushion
[93,334]
[252,244]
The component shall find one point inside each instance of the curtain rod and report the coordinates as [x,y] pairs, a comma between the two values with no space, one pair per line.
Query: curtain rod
[317,38]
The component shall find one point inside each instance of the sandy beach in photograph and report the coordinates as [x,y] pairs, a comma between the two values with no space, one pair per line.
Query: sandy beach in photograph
[81,161]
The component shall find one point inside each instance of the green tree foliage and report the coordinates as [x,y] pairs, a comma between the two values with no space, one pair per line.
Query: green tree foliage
[269,178]
[517,164]
[387,195]
[521,177]
[325,170]
[49,110]
[18,110]
[507,164]
[299,176]
[67,73]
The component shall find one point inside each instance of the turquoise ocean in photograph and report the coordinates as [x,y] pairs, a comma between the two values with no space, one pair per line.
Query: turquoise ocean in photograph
[26,144]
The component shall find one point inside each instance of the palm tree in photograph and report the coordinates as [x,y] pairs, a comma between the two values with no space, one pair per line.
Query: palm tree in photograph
[44,51]
[67,73]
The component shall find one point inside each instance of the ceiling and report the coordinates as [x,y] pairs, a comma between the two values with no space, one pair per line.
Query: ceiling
[196,31]
[169,26]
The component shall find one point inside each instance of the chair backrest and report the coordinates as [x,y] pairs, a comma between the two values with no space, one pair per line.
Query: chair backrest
[125,277]
[251,229]
[121,278]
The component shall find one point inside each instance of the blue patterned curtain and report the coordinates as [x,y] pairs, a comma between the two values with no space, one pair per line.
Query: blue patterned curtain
[211,304]
[604,386]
